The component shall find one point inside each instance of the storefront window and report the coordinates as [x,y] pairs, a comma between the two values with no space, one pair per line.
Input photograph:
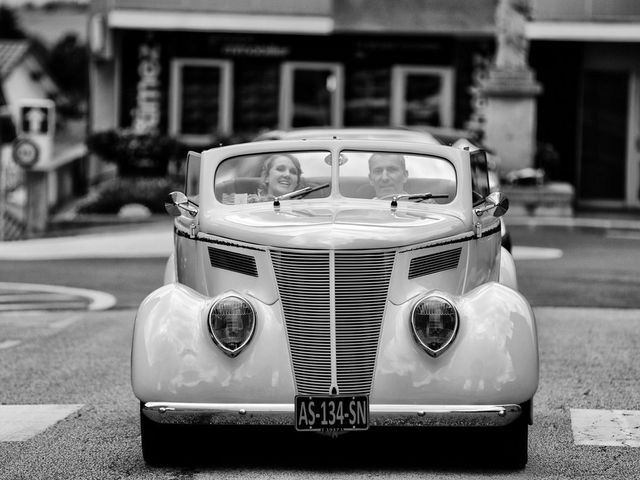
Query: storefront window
[200,99]
[311,95]
[422,96]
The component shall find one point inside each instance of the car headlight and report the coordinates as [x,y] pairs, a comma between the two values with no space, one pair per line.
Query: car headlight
[232,321]
[434,321]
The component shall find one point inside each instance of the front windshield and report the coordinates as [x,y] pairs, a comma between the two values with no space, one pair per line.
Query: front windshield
[261,178]
[362,174]
[381,175]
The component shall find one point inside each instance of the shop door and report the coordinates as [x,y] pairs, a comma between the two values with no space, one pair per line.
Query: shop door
[311,95]
[633,166]
[605,108]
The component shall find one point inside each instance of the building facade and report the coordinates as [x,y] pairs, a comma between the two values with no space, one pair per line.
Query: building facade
[206,70]
[586,54]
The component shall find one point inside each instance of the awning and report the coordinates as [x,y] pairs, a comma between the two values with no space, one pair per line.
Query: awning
[219,22]
[584,31]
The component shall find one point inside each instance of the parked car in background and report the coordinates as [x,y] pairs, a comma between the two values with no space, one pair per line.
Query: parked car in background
[431,135]
[302,293]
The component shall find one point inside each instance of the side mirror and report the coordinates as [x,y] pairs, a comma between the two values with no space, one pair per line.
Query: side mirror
[502,203]
[177,203]
[497,201]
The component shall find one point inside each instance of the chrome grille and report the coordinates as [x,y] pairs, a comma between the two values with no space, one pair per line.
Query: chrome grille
[361,285]
[304,286]
[436,262]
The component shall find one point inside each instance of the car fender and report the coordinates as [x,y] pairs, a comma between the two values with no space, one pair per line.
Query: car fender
[170,270]
[492,360]
[175,359]
[508,275]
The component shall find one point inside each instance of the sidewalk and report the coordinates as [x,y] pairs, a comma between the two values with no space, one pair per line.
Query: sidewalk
[607,221]
[132,240]
[153,238]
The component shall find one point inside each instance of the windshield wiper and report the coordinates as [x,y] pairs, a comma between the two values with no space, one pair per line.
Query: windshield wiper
[413,196]
[298,193]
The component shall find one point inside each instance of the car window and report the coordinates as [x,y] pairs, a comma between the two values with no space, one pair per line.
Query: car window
[261,178]
[380,175]
[479,176]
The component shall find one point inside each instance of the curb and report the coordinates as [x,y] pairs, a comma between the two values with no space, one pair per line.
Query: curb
[574,222]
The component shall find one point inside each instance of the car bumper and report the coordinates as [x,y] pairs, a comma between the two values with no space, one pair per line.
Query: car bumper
[379,415]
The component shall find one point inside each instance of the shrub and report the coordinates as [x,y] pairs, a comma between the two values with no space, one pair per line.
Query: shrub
[110,196]
[136,154]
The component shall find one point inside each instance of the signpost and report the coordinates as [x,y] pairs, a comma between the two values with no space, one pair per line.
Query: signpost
[33,151]
[37,125]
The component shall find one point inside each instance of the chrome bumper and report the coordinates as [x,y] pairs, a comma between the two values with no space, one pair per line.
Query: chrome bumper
[379,415]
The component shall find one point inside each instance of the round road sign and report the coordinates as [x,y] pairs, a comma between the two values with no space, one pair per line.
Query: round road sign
[25,152]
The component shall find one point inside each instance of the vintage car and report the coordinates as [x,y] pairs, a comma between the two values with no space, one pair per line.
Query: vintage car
[422,134]
[335,286]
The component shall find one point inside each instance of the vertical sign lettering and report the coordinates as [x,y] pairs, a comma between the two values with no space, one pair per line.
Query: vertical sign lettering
[146,116]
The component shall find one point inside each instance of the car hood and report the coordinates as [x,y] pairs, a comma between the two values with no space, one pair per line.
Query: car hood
[370,225]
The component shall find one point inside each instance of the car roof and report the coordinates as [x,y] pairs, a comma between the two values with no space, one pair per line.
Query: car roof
[364,133]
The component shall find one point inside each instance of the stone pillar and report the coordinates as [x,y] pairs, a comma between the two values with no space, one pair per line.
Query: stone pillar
[510,90]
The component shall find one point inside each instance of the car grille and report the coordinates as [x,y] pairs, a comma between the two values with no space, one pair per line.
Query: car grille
[356,285]
[434,263]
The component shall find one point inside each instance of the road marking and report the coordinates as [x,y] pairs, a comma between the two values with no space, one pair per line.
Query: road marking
[614,428]
[535,253]
[97,300]
[623,235]
[9,343]
[22,422]
[65,322]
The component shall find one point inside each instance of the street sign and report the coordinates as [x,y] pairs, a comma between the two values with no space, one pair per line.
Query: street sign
[36,123]
[35,119]
[25,152]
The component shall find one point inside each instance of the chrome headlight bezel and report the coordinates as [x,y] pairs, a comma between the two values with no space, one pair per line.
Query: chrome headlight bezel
[212,328]
[443,300]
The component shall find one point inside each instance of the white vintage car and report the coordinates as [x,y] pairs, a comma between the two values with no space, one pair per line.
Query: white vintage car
[335,286]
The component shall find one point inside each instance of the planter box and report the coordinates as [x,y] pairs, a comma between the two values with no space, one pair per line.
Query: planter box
[549,199]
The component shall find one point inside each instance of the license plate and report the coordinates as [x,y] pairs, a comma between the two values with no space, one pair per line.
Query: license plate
[332,412]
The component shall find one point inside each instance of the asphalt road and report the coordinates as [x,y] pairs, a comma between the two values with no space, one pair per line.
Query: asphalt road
[586,303]
[588,361]
[598,268]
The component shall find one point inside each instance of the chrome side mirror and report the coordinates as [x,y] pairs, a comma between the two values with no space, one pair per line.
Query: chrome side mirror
[177,203]
[497,201]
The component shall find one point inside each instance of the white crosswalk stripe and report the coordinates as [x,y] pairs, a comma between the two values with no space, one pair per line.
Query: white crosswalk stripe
[614,428]
[22,422]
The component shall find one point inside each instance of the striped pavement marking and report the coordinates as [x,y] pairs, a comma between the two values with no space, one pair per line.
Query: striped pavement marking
[535,253]
[22,422]
[9,343]
[613,428]
[623,235]
[31,296]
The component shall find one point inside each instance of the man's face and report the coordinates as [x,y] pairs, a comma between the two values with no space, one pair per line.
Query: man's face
[387,174]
